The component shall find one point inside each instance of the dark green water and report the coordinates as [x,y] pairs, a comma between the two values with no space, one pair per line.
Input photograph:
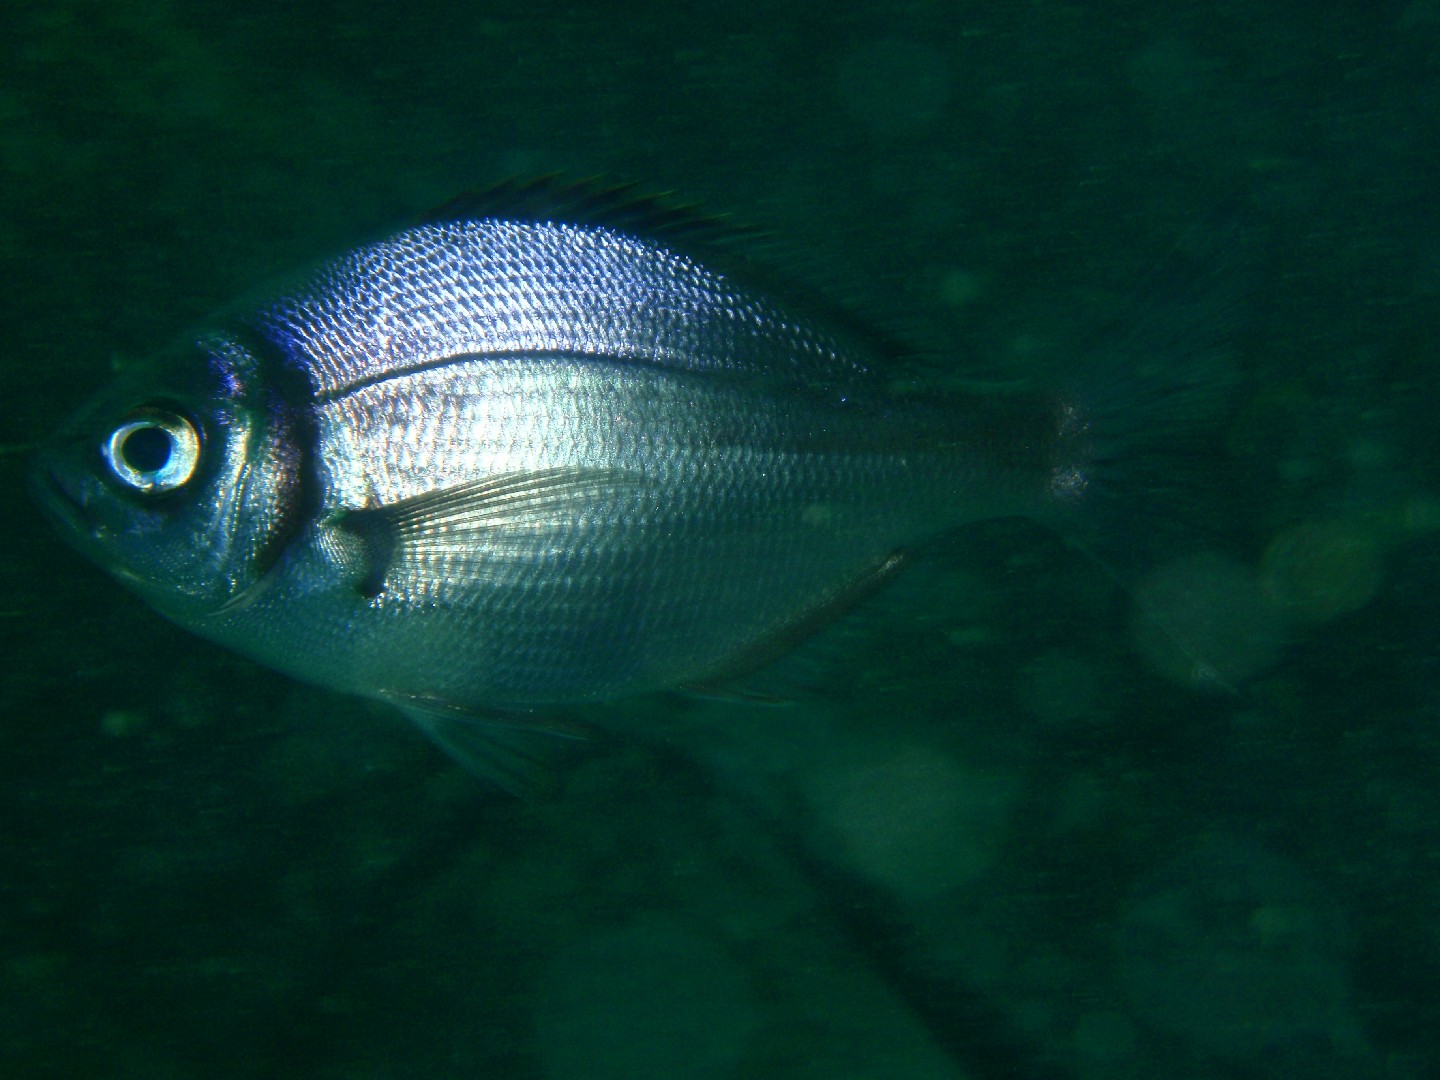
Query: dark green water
[1007,843]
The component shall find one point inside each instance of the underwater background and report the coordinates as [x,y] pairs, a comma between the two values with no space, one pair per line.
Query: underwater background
[1013,838]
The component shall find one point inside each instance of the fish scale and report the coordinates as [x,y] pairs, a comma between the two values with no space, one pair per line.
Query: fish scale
[491,287]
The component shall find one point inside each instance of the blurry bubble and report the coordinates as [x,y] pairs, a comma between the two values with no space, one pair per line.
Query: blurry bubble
[121,722]
[1059,688]
[652,1000]
[1370,454]
[959,288]
[1318,571]
[1206,620]
[894,87]
[1233,949]
[918,822]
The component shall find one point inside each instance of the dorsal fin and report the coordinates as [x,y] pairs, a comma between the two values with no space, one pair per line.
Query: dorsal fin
[624,207]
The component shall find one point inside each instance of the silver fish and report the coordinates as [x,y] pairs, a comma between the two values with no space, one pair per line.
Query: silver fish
[514,458]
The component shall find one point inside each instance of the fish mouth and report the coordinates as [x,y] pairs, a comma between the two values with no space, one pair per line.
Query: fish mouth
[76,523]
[56,498]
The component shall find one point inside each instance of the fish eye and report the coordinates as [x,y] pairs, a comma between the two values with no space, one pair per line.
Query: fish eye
[153,451]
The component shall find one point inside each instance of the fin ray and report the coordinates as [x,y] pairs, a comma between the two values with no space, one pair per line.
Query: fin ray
[514,752]
[473,525]
[735,680]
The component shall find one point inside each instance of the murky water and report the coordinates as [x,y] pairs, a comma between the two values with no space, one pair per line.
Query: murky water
[1011,838]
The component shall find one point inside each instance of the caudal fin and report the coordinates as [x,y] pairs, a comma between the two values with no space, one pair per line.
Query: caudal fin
[1146,479]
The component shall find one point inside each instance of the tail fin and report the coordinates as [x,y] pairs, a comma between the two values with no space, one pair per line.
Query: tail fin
[1144,471]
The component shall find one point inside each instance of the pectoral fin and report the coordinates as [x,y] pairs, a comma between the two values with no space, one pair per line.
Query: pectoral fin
[468,528]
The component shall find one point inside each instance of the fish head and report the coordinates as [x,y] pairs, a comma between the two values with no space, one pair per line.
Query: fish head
[183,480]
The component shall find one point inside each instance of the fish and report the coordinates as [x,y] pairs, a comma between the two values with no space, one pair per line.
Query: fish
[548,446]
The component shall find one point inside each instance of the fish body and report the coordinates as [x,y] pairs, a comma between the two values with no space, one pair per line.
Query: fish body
[511,459]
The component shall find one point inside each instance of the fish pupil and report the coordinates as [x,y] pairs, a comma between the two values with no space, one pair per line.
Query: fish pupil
[147,449]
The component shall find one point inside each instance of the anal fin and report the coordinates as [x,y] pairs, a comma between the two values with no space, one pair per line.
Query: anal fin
[735,680]
[516,752]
